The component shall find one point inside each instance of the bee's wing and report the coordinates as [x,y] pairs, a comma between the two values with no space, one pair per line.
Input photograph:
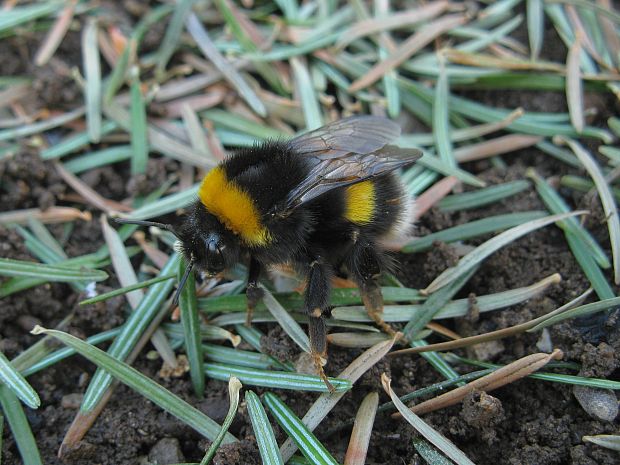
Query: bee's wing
[356,134]
[346,152]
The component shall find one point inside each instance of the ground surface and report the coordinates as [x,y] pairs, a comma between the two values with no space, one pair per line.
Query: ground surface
[529,422]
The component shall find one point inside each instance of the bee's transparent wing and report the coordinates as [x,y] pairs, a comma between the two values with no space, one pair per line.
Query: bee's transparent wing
[346,152]
[356,134]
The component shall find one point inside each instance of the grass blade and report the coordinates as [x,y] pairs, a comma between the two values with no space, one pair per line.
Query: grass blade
[92,75]
[307,95]
[535,26]
[441,365]
[288,324]
[251,40]
[607,199]
[553,377]
[142,384]
[356,340]
[16,418]
[556,204]
[608,441]
[435,302]
[126,289]
[21,14]
[191,330]
[483,251]
[360,436]
[338,296]
[454,309]
[244,358]
[139,139]
[120,261]
[56,273]
[481,197]
[266,440]
[424,429]
[407,48]
[40,126]
[582,310]
[234,386]
[74,142]
[430,454]
[590,268]
[472,229]
[441,112]
[49,359]
[307,442]
[43,234]
[132,331]
[159,139]
[574,87]
[12,379]
[207,47]
[164,205]
[173,34]
[436,164]
[327,401]
[274,379]
[117,78]
[505,375]
[239,123]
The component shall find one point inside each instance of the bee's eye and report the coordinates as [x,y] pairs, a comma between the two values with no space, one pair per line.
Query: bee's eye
[215,256]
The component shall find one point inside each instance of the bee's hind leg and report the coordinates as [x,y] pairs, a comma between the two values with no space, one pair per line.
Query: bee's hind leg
[317,302]
[253,293]
[365,266]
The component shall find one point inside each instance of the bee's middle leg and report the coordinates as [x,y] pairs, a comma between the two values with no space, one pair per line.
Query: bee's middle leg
[365,266]
[253,293]
[317,302]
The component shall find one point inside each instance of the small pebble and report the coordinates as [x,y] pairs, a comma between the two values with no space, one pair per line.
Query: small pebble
[488,350]
[598,403]
[544,343]
[166,451]
[72,401]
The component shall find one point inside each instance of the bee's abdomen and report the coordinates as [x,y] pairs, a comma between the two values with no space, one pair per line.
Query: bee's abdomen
[379,206]
[359,200]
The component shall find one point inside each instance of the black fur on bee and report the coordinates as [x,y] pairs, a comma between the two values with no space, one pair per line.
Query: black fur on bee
[323,201]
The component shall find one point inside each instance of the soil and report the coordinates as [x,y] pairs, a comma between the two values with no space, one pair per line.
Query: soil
[528,422]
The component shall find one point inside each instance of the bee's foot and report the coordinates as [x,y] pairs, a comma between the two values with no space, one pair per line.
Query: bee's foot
[320,360]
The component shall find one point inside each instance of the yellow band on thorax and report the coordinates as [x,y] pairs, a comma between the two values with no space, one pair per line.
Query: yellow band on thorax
[233,207]
[360,202]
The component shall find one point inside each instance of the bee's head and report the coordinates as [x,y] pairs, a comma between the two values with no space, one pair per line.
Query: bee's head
[206,243]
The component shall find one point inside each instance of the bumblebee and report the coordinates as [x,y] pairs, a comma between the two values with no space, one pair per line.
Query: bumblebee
[323,202]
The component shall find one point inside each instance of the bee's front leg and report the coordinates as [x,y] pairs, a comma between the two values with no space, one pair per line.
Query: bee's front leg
[317,302]
[253,293]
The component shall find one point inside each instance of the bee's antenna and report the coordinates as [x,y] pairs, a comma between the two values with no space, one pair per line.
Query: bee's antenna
[167,227]
[177,294]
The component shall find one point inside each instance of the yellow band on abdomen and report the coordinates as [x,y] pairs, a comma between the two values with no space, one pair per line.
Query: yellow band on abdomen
[360,202]
[233,207]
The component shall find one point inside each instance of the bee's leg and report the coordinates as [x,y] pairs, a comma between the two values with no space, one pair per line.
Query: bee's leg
[366,269]
[253,292]
[316,302]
